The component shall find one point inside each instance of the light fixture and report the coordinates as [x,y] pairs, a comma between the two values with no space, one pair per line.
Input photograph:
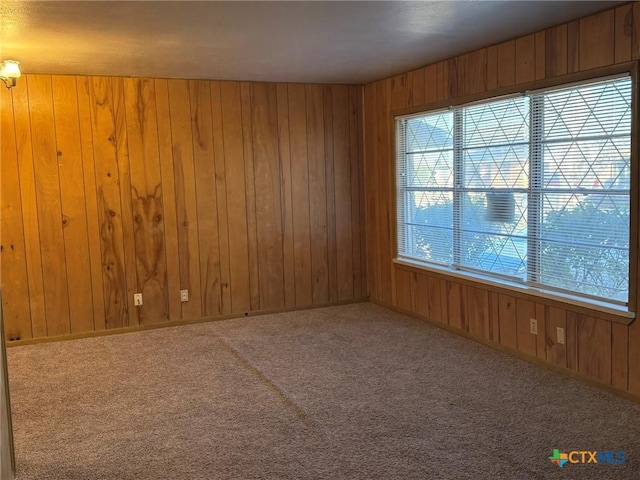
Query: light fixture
[10,72]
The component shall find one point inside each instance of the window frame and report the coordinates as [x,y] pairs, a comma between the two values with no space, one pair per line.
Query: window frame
[618,313]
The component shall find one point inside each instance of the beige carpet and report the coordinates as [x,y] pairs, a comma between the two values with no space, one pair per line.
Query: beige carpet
[350,392]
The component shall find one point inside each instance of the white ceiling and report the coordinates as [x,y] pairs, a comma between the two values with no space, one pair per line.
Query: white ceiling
[327,42]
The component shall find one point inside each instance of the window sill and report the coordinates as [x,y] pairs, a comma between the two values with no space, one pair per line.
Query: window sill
[619,314]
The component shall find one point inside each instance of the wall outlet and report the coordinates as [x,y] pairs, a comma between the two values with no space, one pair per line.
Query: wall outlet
[184,295]
[560,335]
[137,299]
[533,324]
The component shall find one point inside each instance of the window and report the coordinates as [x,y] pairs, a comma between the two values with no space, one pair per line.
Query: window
[532,189]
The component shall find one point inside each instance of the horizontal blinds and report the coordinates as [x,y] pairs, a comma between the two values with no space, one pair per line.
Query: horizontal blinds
[533,188]
[584,157]
[425,187]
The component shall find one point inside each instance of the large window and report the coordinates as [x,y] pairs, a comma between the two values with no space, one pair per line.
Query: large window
[532,189]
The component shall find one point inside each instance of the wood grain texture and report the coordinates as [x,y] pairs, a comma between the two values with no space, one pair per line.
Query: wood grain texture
[29,209]
[124,179]
[13,262]
[573,46]
[571,340]
[540,60]
[635,37]
[556,51]
[525,58]
[431,86]
[327,97]
[597,43]
[525,311]
[147,200]
[127,185]
[288,247]
[252,234]
[506,64]
[317,193]
[620,356]
[492,68]
[541,337]
[236,197]
[508,323]
[456,308]
[205,177]
[556,352]
[50,219]
[300,194]
[221,197]
[268,196]
[634,358]
[623,33]
[417,87]
[594,348]
[165,153]
[186,199]
[93,228]
[74,211]
[475,72]
[403,287]
[353,169]
[421,296]
[478,312]
[342,182]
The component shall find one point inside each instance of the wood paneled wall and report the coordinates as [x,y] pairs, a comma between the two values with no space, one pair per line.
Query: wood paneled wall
[249,195]
[596,347]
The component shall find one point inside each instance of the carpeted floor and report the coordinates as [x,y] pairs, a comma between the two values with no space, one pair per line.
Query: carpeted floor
[349,392]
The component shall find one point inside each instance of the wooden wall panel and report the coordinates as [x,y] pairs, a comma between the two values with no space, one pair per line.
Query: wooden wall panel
[236,198]
[49,205]
[221,195]
[186,199]
[268,196]
[342,183]
[29,209]
[597,44]
[525,58]
[170,221]
[300,194]
[13,261]
[74,212]
[147,195]
[478,311]
[114,186]
[202,172]
[594,347]
[623,31]
[507,319]
[318,219]
[126,201]
[288,247]
[556,352]
[403,289]
[556,51]
[252,234]
[525,311]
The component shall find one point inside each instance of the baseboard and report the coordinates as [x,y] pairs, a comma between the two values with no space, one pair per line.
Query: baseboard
[176,323]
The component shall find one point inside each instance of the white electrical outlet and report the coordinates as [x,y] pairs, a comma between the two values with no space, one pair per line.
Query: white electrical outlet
[184,295]
[137,299]
[560,335]
[533,324]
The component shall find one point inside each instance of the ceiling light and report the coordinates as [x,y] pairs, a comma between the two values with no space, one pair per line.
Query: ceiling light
[9,72]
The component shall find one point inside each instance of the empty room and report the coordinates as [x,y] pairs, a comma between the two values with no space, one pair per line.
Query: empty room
[319,240]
